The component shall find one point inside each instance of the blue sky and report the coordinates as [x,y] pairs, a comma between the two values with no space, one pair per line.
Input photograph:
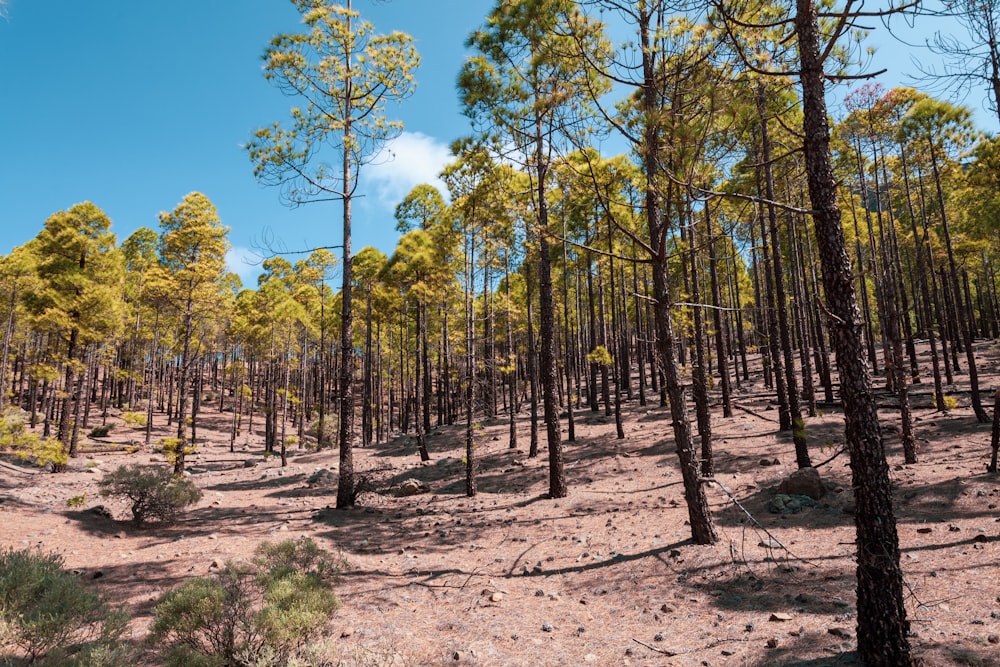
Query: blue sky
[132,104]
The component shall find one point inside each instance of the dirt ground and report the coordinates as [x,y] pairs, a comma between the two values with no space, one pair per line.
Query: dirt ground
[606,576]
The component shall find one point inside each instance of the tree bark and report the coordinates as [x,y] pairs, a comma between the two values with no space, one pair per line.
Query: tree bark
[882,625]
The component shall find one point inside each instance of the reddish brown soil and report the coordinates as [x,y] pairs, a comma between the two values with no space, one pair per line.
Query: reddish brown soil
[603,577]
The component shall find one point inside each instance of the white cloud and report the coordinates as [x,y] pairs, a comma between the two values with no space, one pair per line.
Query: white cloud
[245,263]
[411,159]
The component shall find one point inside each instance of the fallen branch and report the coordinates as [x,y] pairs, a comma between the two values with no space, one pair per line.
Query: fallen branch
[18,469]
[654,648]
[757,524]
[758,416]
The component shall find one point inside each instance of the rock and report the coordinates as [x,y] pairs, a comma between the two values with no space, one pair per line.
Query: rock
[412,487]
[772,643]
[456,656]
[322,477]
[925,530]
[94,470]
[547,627]
[803,482]
[97,574]
[590,657]
[497,597]
[101,510]
[347,632]
[769,544]
[658,637]
[249,463]
[788,504]
[780,616]
[993,639]
[839,632]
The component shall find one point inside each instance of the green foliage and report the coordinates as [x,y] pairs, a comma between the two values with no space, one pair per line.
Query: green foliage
[76,501]
[46,612]
[101,431]
[256,614]
[175,447]
[134,419]
[154,492]
[16,438]
[600,356]
[950,402]
[329,433]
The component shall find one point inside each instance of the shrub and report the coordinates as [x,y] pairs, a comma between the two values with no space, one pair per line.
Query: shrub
[154,492]
[256,614]
[329,434]
[15,437]
[47,612]
[101,431]
[134,419]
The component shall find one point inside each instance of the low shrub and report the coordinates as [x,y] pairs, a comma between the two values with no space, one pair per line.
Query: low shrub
[16,438]
[250,614]
[134,419]
[329,434]
[153,491]
[101,431]
[48,614]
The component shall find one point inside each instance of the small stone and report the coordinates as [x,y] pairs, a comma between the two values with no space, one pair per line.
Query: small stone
[925,530]
[749,627]
[347,632]
[780,616]
[97,574]
[772,643]
[666,609]
[839,632]
[993,639]
[547,627]
[456,656]
[496,597]
[769,544]
[658,637]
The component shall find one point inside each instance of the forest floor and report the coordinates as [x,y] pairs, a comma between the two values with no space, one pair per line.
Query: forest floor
[606,576]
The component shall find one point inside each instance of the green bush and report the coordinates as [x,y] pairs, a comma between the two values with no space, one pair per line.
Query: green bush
[134,419]
[101,431]
[47,613]
[329,434]
[153,491]
[256,614]
[16,438]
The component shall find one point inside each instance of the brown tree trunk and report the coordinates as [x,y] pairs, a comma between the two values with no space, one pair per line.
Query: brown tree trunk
[882,625]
